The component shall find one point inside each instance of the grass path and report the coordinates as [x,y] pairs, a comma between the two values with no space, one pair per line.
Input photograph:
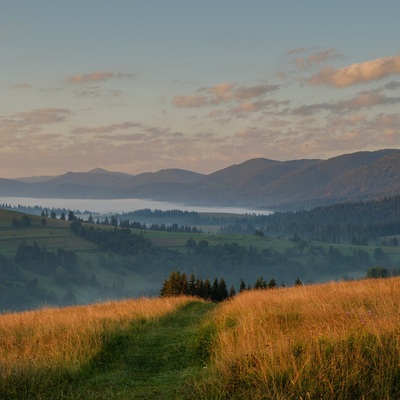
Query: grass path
[150,360]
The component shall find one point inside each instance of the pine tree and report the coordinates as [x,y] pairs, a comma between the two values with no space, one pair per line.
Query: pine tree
[222,293]
[260,283]
[272,284]
[214,290]
[207,289]
[298,282]
[242,286]
[175,285]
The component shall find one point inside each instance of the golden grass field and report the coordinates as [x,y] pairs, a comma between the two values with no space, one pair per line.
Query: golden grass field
[68,337]
[329,341]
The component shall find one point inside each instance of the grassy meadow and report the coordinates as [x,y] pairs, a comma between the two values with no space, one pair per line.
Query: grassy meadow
[329,341]
[75,352]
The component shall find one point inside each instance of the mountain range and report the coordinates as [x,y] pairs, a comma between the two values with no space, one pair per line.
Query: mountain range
[259,182]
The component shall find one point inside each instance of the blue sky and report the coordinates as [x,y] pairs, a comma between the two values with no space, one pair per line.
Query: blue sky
[138,86]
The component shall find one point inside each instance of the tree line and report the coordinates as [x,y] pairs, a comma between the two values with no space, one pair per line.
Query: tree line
[178,284]
[352,222]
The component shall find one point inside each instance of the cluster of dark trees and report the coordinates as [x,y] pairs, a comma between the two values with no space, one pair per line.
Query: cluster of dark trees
[24,221]
[42,261]
[179,284]
[119,240]
[18,291]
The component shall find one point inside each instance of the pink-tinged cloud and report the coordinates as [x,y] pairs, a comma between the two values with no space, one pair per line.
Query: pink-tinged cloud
[29,122]
[189,101]
[363,99]
[357,73]
[316,58]
[42,116]
[221,92]
[253,106]
[244,93]
[251,133]
[96,76]
[225,93]
[107,128]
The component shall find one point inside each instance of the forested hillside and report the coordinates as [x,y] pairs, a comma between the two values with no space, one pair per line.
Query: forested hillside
[356,222]
[48,260]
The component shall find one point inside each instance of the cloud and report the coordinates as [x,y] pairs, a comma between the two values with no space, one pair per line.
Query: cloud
[244,93]
[392,85]
[317,57]
[251,133]
[139,132]
[253,106]
[226,93]
[96,76]
[107,128]
[363,72]
[41,116]
[311,109]
[31,121]
[89,91]
[363,99]
[194,101]
[386,121]
[221,93]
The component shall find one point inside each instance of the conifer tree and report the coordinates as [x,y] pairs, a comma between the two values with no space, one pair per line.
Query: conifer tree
[272,284]
[214,290]
[260,283]
[222,293]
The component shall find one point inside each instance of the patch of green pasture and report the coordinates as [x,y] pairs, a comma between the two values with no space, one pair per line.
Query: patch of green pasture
[52,238]
[151,360]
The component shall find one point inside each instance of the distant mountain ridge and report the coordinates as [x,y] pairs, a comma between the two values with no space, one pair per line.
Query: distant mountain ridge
[257,182]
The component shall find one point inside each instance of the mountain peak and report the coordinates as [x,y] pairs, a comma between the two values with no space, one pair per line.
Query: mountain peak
[99,171]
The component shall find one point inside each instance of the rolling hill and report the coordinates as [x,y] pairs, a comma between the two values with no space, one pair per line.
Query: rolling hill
[257,182]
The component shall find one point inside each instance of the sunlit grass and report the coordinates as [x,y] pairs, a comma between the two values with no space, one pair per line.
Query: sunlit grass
[69,337]
[331,341]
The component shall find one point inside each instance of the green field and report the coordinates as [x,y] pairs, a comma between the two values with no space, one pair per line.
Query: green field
[116,275]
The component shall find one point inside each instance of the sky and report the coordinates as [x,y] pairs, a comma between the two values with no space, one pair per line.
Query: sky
[139,86]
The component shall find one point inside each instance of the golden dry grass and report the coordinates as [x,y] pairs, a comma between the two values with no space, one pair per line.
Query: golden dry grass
[336,340]
[67,337]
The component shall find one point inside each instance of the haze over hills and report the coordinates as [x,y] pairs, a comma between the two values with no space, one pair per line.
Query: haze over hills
[257,183]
